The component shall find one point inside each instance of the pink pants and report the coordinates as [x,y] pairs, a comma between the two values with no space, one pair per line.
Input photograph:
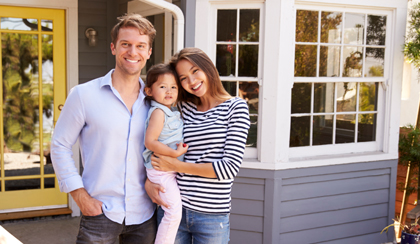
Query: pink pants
[168,227]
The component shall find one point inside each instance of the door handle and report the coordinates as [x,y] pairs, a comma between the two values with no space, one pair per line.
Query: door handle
[60,107]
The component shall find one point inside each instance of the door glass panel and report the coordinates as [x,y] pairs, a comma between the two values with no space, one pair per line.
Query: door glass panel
[19,24]
[46,25]
[47,99]
[20,103]
[354,29]
[251,140]
[49,182]
[226,25]
[248,60]
[15,185]
[249,25]
[225,62]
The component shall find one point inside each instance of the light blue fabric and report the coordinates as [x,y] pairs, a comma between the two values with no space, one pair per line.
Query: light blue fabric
[171,133]
[111,142]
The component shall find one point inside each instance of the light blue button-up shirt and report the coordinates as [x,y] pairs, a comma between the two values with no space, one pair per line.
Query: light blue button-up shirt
[111,143]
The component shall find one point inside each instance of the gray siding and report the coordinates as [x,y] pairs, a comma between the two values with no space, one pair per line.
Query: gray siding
[349,203]
[100,15]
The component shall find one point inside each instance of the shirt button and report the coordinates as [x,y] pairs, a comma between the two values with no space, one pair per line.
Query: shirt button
[128,180]
[128,199]
[129,159]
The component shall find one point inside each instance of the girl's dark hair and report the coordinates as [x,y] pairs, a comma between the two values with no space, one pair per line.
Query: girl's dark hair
[153,75]
[200,60]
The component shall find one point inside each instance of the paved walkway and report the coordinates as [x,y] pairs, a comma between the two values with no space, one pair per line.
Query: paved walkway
[47,230]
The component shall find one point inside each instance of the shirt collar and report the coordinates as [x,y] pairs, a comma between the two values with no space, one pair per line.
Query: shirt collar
[107,80]
[163,107]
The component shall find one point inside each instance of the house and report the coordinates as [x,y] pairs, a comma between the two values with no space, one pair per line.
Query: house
[323,80]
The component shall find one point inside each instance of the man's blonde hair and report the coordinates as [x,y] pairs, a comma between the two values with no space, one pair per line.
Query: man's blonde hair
[137,21]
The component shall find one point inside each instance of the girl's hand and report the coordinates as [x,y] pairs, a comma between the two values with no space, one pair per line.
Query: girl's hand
[182,149]
[164,163]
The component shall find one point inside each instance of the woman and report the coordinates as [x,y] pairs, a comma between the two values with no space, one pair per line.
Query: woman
[215,129]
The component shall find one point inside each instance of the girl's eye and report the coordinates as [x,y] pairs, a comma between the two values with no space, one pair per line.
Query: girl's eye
[174,87]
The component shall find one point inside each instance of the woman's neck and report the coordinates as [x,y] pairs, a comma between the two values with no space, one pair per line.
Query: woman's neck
[207,103]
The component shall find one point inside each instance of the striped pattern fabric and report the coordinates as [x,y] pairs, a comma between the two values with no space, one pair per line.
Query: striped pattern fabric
[216,136]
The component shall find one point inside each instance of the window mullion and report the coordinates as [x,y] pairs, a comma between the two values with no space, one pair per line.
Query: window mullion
[311,124]
[335,113]
[356,122]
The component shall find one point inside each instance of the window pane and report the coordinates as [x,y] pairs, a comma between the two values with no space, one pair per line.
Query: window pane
[322,130]
[249,92]
[19,24]
[354,29]
[248,60]
[331,27]
[46,25]
[353,61]
[15,185]
[374,66]
[225,59]
[251,141]
[366,128]
[346,96]
[305,60]
[301,98]
[368,96]
[306,26]
[249,25]
[226,25]
[230,87]
[324,97]
[299,131]
[345,128]
[376,30]
[329,61]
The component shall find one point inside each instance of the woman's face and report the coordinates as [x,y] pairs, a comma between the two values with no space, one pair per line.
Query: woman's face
[192,78]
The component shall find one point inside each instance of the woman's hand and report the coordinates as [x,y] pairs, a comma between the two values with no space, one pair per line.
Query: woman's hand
[153,190]
[164,163]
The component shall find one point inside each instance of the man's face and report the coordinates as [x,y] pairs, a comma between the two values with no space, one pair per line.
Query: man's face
[131,51]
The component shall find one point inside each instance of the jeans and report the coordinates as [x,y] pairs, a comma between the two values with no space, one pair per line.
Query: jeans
[99,229]
[201,228]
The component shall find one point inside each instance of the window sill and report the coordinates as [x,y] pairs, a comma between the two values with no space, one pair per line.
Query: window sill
[317,161]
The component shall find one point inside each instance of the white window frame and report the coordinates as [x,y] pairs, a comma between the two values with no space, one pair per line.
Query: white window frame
[250,152]
[361,147]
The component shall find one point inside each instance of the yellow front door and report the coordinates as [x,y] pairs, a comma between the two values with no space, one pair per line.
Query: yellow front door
[33,77]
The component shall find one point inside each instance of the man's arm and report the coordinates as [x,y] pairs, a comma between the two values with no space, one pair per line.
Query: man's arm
[66,132]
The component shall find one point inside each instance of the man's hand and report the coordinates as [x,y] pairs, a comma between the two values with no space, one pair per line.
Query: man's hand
[87,204]
[152,190]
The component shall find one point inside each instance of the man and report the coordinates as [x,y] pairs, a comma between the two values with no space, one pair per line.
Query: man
[107,116]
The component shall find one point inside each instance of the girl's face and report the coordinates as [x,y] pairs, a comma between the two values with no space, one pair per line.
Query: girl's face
[192,78]
[164,90]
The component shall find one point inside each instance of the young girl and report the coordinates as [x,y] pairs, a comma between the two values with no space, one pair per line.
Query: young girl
[164,136]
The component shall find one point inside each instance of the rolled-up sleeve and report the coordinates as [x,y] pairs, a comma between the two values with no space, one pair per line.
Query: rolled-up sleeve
[66,132]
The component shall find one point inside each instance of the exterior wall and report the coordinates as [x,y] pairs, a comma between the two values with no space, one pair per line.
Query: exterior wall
[348,203]
[100,15]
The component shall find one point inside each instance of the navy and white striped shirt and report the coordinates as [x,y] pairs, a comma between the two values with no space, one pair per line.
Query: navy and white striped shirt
[216,136]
